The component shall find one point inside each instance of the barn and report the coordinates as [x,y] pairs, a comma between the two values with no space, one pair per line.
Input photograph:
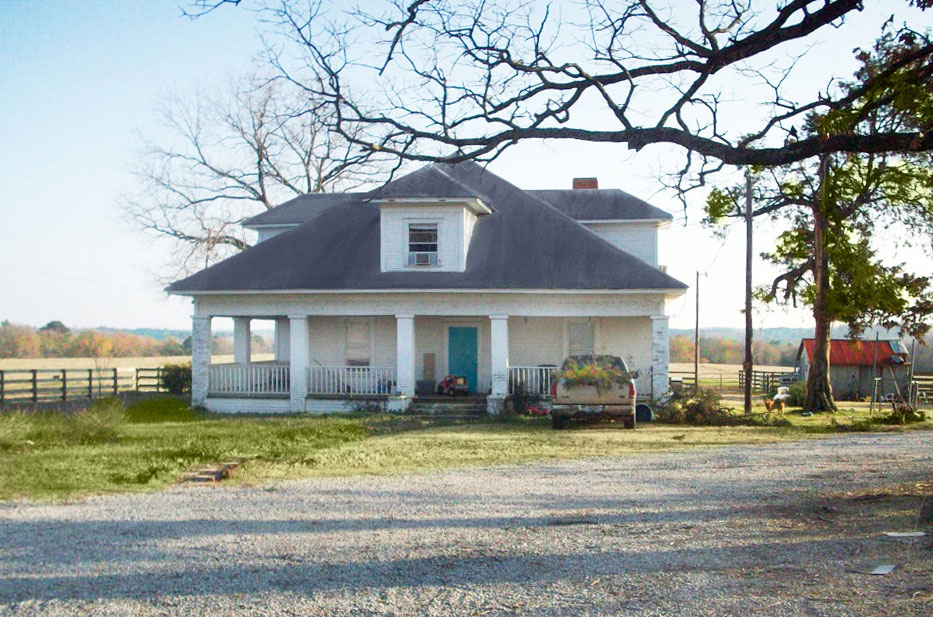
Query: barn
[853,366]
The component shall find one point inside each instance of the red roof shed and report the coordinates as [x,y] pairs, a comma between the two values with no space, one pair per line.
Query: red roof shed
[846,352]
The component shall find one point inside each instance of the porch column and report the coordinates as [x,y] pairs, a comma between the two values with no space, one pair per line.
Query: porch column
[200,358]
[660,356]
[298,353]
[405,350]
[281,340]
[241,340]
[499,356]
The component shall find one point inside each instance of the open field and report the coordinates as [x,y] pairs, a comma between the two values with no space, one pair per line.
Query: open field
[131,362]
[707,369]
[47,455]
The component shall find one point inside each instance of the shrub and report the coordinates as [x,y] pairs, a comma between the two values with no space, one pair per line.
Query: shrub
[98,423]
[176,378]
[705,408]
[797,394]
[15,427]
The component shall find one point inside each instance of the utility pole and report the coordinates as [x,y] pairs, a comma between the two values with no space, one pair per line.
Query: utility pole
[747,366]
[696,342]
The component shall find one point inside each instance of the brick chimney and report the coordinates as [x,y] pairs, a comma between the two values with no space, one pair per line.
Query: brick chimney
[585,183]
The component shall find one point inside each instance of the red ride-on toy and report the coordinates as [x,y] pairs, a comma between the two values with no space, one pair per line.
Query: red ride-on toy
[453,385]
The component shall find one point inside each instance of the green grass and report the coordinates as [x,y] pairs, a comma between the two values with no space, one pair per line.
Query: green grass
[104,450]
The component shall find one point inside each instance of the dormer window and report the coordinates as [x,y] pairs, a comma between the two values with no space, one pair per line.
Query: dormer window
[422,244]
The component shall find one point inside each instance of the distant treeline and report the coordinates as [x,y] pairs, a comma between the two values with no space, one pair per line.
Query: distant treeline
[55,340]
[727,351]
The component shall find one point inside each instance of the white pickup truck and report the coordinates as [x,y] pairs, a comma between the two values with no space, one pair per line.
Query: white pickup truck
[585,402]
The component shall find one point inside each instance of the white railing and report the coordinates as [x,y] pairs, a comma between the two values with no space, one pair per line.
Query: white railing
[535,380]
[351,380]
[248,379]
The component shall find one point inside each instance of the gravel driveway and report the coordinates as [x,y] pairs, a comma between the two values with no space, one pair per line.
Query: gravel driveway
[762,530]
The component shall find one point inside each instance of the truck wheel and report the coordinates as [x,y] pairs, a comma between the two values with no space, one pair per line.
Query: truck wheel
[628,422]
[558,423]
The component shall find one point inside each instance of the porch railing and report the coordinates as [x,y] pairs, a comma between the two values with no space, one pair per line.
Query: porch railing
[351,380]
[534,380]
[248,379]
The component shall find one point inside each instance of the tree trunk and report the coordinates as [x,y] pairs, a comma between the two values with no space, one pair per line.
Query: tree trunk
[819,388]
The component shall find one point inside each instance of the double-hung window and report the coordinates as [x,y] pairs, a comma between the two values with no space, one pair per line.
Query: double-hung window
[581,338]
[358,342]
[422,244]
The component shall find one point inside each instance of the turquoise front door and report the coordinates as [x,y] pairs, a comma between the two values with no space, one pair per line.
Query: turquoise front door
[461,353]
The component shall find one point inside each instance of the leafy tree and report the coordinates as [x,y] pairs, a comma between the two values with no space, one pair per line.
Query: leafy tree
[55,326]
[834,208]
[18,341]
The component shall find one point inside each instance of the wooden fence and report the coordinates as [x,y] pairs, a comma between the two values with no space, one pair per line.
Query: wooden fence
[762,381]
[18,386]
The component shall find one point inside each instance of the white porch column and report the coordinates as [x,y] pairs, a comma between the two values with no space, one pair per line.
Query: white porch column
[200,358]
[299,354]
[499,356]
[660,356]
[281,340]
[405,350]
[241,340]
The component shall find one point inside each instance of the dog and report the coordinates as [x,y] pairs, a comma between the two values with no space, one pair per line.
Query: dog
[772,405]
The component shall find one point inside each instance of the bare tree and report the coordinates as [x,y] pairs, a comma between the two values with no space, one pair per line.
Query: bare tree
[222,158]
[469,79]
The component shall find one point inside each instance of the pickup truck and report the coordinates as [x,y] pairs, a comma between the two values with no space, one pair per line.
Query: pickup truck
[585,402]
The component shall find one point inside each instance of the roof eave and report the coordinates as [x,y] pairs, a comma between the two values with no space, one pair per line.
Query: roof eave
[473,203]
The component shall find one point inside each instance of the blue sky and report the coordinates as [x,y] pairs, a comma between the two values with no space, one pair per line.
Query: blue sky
[79,82]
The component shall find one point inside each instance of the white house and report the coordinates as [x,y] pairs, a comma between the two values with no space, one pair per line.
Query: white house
[447,270]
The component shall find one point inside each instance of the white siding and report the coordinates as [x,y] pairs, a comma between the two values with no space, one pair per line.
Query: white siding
[270,232]
[535,340]
[483,304]
[431,337]
[394,221]
[543,340]
[630,339]
[637,238]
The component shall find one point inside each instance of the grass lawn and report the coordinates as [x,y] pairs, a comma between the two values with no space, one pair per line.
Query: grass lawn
[148,446]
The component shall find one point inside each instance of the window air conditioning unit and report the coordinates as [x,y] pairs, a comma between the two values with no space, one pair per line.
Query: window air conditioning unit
[422,259]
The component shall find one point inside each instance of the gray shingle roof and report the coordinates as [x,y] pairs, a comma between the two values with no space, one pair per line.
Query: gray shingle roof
[303,208]
[526,243]
[600,204]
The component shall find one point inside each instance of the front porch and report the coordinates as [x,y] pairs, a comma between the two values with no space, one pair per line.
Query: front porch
[340,363]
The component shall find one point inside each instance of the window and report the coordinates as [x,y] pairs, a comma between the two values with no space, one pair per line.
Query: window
[422,244]
[358,343]
[581,338]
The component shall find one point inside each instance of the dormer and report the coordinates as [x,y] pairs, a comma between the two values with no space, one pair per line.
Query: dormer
[419,234]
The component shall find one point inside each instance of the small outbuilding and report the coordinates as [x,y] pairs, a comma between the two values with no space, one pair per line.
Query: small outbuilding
[854,365]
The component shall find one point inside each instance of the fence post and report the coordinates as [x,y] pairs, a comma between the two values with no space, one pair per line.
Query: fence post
[90,383]
[64,385]
[137,379]
[115,385]
[2,387]
[35,385]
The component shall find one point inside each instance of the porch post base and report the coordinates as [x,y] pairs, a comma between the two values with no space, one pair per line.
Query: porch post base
[495,405]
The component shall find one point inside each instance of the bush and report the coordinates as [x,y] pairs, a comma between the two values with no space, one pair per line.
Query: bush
[176,378]
[797,394]
[99,423]
[15,429]
[705,408]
